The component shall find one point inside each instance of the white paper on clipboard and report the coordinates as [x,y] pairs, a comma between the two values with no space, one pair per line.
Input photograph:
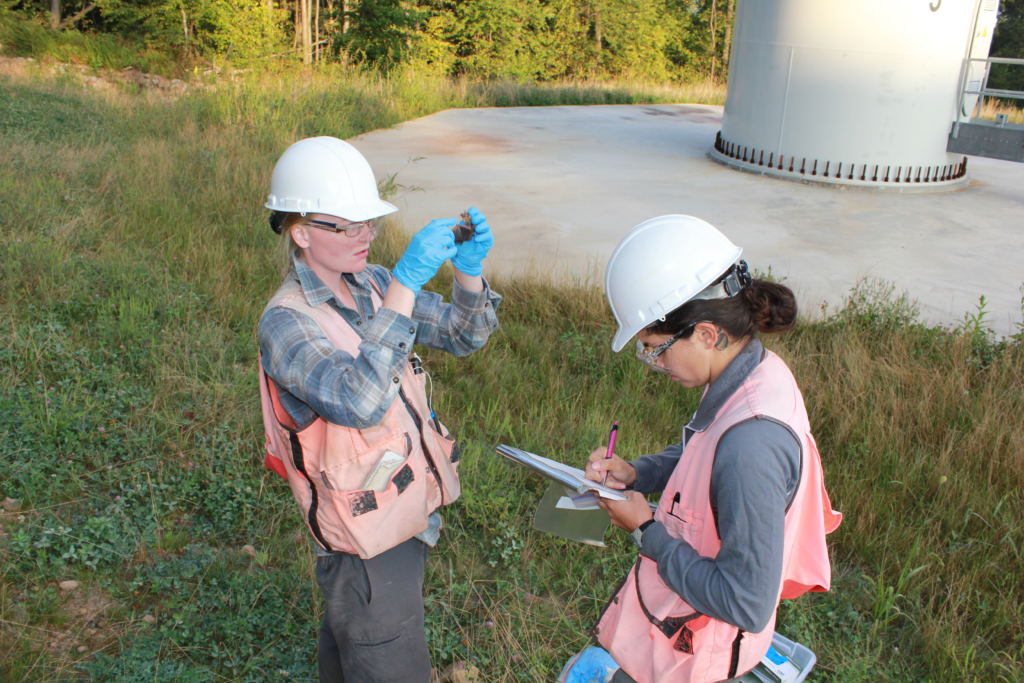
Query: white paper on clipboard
[570,477]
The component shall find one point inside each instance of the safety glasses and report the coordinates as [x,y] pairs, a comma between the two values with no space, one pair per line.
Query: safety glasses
[649,356]
[350,229]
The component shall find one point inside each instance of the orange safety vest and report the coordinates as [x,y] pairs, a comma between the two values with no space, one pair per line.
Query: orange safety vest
[327,465]
[652,632]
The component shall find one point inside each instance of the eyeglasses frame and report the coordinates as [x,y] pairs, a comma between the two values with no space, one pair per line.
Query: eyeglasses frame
[352,230]
[650,358]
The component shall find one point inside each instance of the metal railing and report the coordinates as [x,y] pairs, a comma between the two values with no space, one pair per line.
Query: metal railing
[996,139]
[983,91]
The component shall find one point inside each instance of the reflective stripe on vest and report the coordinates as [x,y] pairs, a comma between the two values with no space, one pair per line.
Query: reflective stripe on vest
[653,633]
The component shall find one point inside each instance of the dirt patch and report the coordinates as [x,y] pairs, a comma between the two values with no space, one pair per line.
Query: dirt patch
[102,79]
[467,143]
[87,623]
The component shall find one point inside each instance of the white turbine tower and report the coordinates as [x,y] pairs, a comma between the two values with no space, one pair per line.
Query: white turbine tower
[854,92]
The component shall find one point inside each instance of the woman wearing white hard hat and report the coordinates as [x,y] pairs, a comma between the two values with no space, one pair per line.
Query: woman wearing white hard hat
[743,512]
[347,417]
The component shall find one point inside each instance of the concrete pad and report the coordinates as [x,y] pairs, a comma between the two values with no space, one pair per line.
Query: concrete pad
[562,185]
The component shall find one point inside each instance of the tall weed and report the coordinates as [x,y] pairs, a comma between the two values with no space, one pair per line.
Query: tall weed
[98,51]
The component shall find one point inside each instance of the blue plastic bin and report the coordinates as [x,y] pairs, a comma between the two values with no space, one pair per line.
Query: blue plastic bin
[801,658]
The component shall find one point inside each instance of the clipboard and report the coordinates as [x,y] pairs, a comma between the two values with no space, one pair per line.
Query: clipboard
[561,511]
[569,477]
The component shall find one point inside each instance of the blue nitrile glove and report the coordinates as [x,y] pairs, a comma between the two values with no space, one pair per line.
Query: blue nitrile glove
[427,251]
[594,665]
[472,252]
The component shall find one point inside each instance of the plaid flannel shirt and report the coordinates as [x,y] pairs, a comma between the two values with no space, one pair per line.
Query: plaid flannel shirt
[316,378]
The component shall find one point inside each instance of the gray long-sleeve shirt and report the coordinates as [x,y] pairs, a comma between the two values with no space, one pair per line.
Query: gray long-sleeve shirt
[753,480]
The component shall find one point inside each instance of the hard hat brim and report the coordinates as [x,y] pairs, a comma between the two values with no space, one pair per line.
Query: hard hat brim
[365,212]
[355,213]
[621,338]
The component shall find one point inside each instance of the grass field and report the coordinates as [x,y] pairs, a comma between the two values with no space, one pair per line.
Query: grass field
[135,261]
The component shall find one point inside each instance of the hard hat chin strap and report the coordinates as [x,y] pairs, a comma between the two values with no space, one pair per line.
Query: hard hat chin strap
[731,284]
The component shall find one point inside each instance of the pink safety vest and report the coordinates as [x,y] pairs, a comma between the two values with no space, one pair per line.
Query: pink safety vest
[653,633]
[327,465]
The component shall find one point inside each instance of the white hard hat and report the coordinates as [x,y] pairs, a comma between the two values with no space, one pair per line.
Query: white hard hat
[660,265]
[326,175]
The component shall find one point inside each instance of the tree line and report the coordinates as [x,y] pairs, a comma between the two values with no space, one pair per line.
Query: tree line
[650,40]
[1008,41]
[653,40]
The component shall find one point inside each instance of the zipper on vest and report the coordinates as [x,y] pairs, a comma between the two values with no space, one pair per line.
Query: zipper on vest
[735,661]
[298,459]
[426,452]
[300,465]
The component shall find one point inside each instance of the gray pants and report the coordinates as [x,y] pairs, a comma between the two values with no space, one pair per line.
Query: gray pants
[372,630]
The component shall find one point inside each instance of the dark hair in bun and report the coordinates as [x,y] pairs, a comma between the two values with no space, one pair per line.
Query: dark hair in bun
[761,306]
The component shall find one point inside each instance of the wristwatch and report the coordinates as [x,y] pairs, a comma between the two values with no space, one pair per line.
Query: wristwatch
[638,533]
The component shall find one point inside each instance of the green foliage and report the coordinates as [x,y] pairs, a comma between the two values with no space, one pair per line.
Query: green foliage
[242,31]
[492,37]
[1008,41]
[96,50]
[134,260]
[703,42]
[548,39]
[876,306]
[227,617]
[985,347]
[634,38]
[380,33]
[237,30]
[521,40]
[28,114]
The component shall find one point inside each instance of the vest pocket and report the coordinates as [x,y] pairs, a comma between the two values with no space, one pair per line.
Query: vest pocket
[377,518]
[684,523]
[689,628]
[659,603]
[355,470]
